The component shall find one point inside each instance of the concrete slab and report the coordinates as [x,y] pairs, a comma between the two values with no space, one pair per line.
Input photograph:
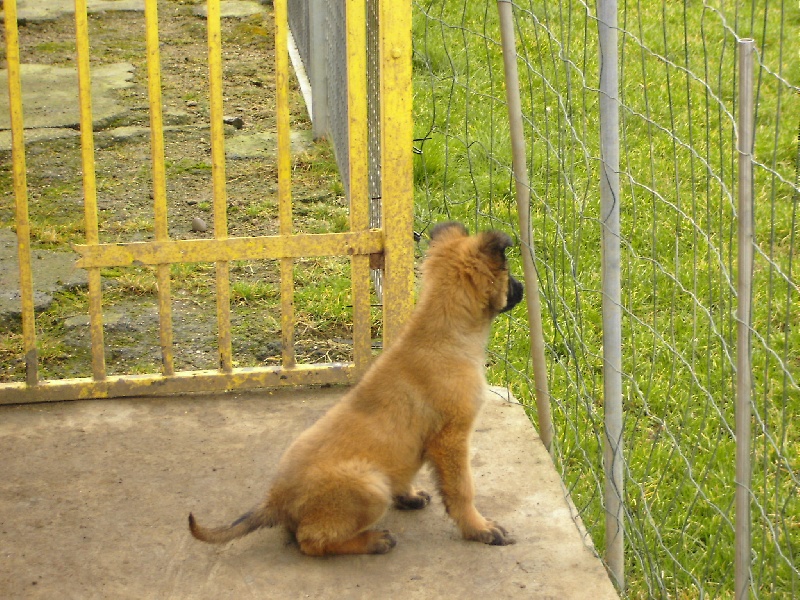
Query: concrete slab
[232,9]
[49,95]
[33,136]
[52,272]
[94,497]
[37,10]
[262,145]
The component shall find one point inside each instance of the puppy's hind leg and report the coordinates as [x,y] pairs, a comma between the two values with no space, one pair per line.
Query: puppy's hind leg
[412,500]
[366,542]
[338,518]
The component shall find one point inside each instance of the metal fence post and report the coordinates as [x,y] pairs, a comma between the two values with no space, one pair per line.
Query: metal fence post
[612,313]
[397,181]
[520,170]
[743,290]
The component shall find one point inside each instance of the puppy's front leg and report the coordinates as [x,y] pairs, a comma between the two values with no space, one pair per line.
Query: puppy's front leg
[449,454]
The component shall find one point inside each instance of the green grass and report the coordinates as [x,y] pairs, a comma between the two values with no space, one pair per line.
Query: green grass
[678,182]
[58,48]
[323,298]
[56,359]
[183,165]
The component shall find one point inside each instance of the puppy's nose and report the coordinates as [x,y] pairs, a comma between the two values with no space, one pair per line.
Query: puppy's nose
[514,295]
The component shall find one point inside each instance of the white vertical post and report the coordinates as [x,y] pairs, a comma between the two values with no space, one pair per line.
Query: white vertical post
[612,313]
[520,170]
[743,291]
[318,13]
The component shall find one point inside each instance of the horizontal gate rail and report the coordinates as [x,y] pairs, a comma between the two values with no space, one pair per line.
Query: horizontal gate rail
[254,248]
[206,381]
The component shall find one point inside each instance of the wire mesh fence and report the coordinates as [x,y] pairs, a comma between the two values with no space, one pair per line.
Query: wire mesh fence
[678,176]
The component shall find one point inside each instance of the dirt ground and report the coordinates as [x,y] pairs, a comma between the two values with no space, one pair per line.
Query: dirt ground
[94,498]
[125,188]
[123,167]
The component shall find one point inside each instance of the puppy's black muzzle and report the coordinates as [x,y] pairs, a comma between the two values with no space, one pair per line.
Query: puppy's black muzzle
[514,294]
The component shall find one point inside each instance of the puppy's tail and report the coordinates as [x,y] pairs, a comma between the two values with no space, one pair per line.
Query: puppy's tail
[259,517]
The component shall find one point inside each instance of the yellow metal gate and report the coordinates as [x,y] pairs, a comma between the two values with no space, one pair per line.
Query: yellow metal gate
[391,246]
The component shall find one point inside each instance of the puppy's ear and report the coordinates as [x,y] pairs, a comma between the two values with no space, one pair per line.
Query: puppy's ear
[448,230]
[494,244]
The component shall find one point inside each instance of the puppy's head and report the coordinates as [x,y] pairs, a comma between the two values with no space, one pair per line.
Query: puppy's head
[472,270]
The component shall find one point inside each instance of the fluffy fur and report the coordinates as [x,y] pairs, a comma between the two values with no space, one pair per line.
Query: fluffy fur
[416,404]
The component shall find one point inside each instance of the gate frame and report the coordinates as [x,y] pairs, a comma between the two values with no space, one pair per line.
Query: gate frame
[391,246]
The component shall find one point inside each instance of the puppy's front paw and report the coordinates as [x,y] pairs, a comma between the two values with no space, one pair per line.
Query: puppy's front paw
[413,501]
[492,534]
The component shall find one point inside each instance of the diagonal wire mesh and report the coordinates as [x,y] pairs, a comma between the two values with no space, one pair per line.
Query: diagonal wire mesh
[678,160]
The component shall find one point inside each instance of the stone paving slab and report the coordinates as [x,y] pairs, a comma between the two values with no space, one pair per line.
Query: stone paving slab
[232,8]
[47,10]
[50,97]
[52,272]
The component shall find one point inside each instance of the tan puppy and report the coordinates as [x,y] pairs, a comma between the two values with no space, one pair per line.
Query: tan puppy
[417,403]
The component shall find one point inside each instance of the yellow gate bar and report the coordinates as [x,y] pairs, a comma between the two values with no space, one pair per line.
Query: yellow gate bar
[242,248]
[159,181]
[284,177]
[216,115]
[89,187]
[20,194]
[356,22]
[118,386]
[397,192]
[218,178]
